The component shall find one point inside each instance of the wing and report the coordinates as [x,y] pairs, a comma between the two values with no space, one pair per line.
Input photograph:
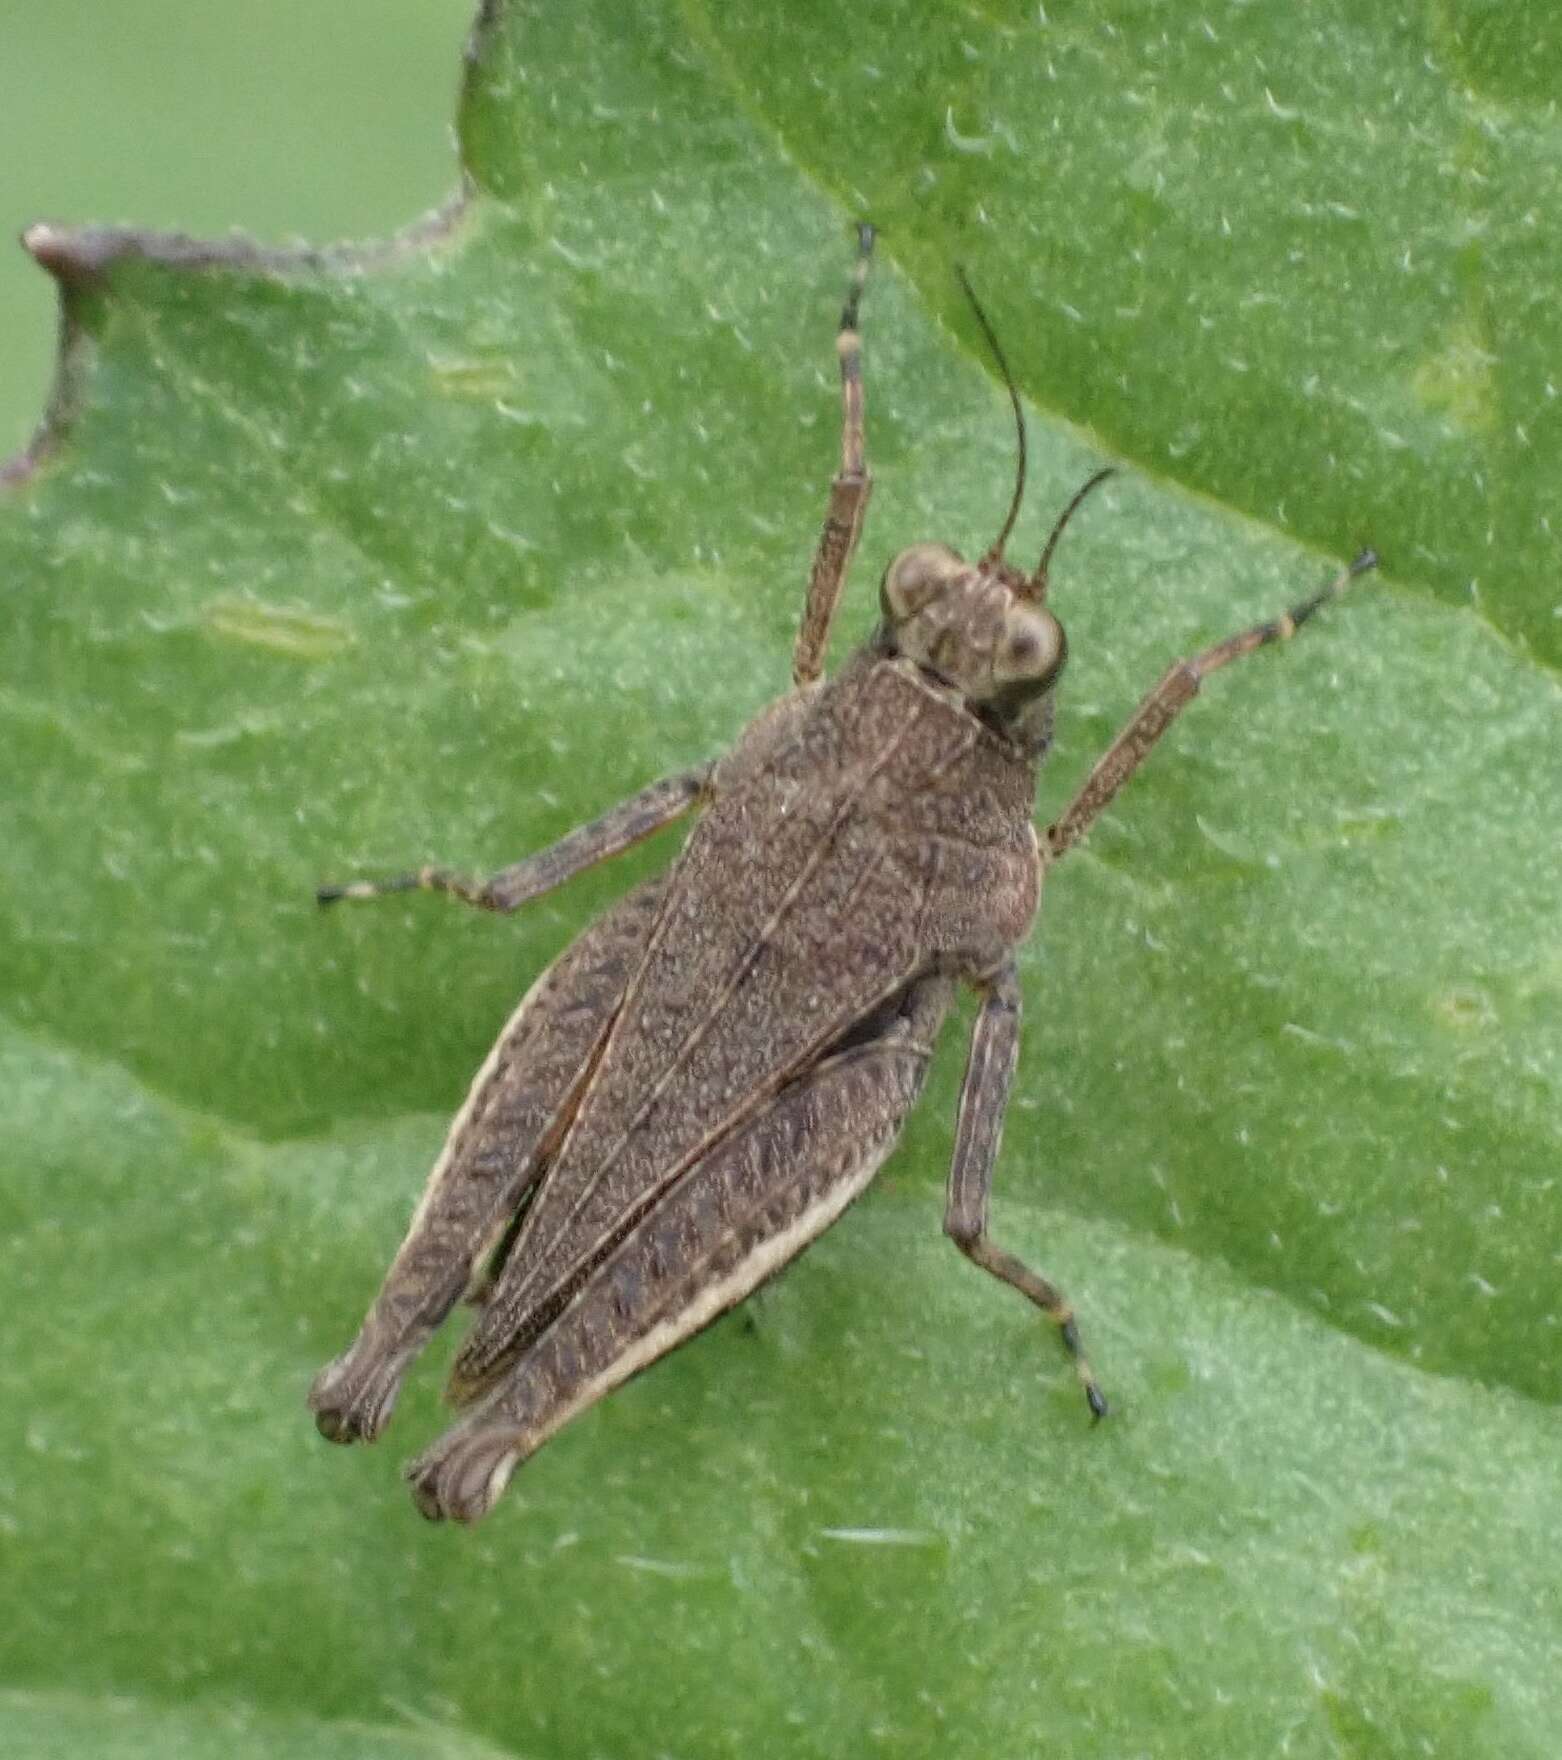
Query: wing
[745,1209]
[799,907]
[498,1148]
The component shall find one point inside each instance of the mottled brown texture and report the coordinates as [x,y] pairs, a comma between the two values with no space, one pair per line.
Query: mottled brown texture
[837,1120]
[497,1150]
[883,837]
[706,1080]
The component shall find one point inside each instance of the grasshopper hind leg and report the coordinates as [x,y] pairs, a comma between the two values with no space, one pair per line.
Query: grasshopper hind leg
[499,1147]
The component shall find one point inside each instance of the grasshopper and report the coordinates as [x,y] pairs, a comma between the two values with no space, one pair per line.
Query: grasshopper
[700,1085]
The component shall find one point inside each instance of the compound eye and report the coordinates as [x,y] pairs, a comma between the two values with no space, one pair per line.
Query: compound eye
[915,577]
[1032,649]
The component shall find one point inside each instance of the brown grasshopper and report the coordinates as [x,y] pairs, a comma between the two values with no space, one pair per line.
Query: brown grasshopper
[700,1085]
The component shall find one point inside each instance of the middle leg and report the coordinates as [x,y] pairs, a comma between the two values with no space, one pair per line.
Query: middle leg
[618,829]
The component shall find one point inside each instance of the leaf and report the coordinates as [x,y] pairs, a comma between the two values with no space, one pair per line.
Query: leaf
[333,562]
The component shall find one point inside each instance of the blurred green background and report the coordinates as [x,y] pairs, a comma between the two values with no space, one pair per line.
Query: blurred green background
[205,117]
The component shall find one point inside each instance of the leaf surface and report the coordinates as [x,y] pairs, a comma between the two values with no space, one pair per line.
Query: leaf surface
[337,564]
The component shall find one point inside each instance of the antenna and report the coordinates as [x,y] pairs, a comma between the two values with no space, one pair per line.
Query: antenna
[1036,586]
[995,550]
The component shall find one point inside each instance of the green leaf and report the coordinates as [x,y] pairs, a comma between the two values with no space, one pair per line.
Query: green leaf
[333,563]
